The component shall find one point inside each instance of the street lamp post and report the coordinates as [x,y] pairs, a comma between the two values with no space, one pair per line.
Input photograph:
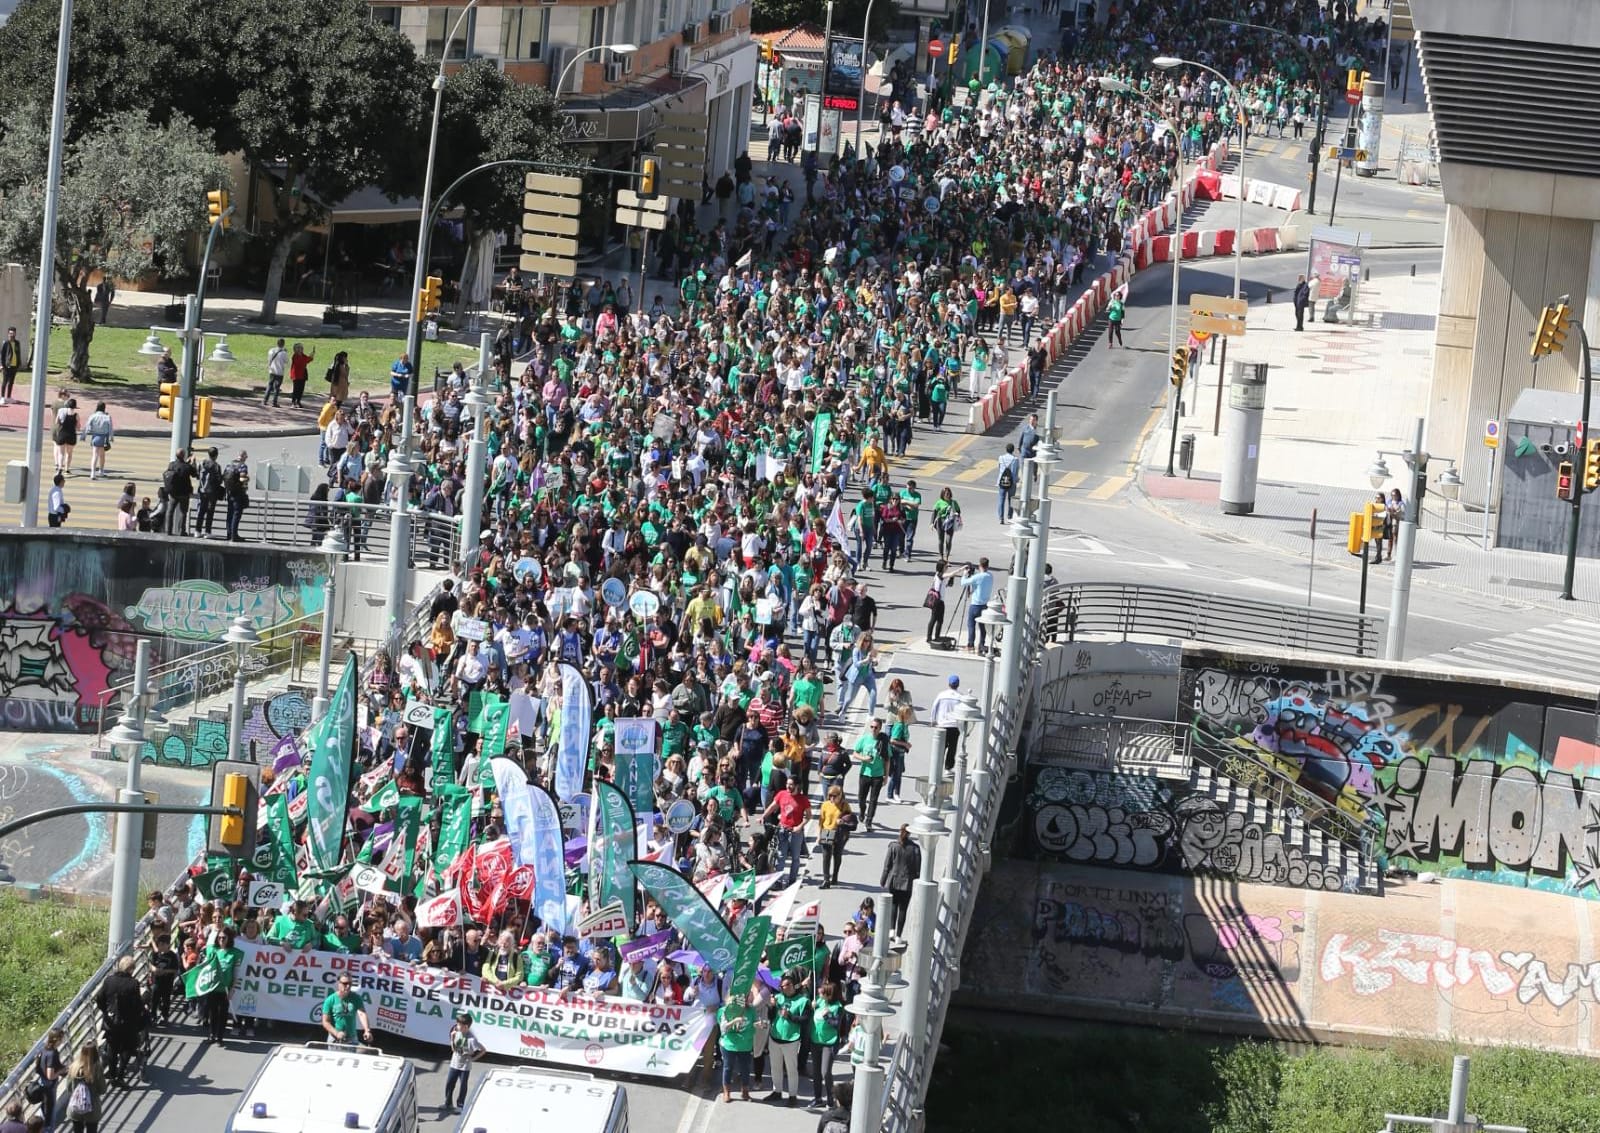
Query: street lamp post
[243,637]
[614,48]
[476,405]
[1167,62]
[1416,459]
[923,914]
[336,547]
[982,774]
[129,735]
[861,95]
[1118,86]
[872,1007]
[399,468]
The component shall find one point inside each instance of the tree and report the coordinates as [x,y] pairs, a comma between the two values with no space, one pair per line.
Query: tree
[848,15]
[132,194]
[329,97]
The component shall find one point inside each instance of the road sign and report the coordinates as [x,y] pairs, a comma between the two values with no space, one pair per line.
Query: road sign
[1217,314]
[550,204]
[1491,433]
[642,218]
[1347,153]
[681,152]
[936,48]
[628,199]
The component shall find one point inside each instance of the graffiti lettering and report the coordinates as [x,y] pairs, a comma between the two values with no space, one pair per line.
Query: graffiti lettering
[200,610]
[1416,958]
[1115,695]
[1212,840]
[1150,932]
[1537,983]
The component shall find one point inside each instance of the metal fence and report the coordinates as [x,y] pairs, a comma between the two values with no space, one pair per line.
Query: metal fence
[1131,610]
[1110,743]
[297,521]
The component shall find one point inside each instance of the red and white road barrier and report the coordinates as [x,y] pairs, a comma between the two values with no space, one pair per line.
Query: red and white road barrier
[1267,193]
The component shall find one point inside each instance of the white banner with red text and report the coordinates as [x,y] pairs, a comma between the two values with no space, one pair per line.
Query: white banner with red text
[534,1023]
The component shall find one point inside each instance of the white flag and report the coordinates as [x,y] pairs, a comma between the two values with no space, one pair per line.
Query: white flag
[443,911]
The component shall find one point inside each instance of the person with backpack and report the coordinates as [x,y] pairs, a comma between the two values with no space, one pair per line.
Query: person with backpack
[65,435]
[48,1071]
[210,491]
[236,488]
[178,480]
[1005,482]
[86,1085]
[1114,313]
[121,1002]
[837,1118]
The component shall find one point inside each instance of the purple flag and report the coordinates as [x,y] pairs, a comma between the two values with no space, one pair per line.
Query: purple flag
[651,947]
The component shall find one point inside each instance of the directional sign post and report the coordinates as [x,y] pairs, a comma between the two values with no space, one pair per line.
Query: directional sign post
[550,207]
[681,150]
[1347,153]
[637,212]
[1217,314]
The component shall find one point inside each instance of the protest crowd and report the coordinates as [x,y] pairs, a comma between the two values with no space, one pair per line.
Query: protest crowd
[622,744]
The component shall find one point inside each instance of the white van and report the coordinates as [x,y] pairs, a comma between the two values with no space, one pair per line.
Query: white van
[324,1088]
[528,1100]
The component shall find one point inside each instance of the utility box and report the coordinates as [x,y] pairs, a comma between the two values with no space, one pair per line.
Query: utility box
[16,481]
[1241,437]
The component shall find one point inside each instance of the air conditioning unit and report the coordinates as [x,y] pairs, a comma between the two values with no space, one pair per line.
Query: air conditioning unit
[691,33]
[626,63]
[682,60]
[721,22]
[614,71]
[559,58]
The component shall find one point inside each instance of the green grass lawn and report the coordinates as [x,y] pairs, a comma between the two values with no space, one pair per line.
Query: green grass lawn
[115,361]
[1140,1080]
[47,951]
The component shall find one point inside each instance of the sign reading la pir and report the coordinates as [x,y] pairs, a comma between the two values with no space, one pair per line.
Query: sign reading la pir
[527,1022]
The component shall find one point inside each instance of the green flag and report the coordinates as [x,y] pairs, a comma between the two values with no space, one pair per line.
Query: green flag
[218,884]
[741,885]
[820,426]
[455,826]
[332,741]
[795,952]
[203,979]
[751,944]
[478,703]
[280,837]
[690,913]
[407,824]
[496,719]
[443,749]
[383,798]
[618,839]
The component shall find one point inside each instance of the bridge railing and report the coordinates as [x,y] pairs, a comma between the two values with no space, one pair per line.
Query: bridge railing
[1133,610]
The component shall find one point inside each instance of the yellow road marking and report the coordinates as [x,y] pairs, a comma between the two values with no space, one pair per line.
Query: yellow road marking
[978,471]
[961,444]
[931,468]
[1111,487]
[1070,481]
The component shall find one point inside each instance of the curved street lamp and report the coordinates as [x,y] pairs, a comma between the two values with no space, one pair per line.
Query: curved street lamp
[1166,63]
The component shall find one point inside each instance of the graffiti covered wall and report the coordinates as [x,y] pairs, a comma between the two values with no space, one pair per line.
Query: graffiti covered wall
[199,742]
[78,606]
[1450,960]
[1497,781]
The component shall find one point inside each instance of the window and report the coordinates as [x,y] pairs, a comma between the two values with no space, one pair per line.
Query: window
[664,19]
[441,21]
[597,27]
[625,26]
[522,33]
[387,14]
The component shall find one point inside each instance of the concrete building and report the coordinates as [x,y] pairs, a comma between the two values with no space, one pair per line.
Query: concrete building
[1515,94]
[693,54]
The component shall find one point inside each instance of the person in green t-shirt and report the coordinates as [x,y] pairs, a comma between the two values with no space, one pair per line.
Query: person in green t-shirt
[911,504]
[872,757]
[736,1019]
[294,929]
[827,1025]
[788,1022]
[807,689]
[537,961]
[342,1010]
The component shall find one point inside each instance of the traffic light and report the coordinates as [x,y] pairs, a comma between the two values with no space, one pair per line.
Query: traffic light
[1564,480]
[955,50]
[217,207]
[169,401]
[767,53]
[1180,365]
[1373,516]
[1357,533]
[647,177]
[1591,466]
[202,417]
[235,784]
[1551,336]
[429,297]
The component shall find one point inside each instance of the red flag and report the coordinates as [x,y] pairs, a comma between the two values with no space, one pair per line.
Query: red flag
[484,880]
[519,883]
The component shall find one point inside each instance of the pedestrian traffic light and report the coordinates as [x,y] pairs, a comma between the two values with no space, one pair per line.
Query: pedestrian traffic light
[647,177]
[1551,336]
[1180,365]
[428,299]
[169,401]
[217,207]
[767,53]
[1564,480]
[1357,533]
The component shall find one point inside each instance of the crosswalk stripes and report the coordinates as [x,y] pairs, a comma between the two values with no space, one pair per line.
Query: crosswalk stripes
[1111,487]
[978,471]
[1069,481]
[1565,650]
[1084,485]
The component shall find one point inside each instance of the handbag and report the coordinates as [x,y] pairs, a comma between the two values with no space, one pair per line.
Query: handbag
[931,598]
[828,837]
[35,1091]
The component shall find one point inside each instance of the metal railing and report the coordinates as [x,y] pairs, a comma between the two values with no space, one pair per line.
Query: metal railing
[203,670]
[1112,743]
[298,521]
[1132,610]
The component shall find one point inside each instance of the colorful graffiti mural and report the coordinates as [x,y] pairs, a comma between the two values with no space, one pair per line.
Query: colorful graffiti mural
[1468,778]
[79,606]
[199,742]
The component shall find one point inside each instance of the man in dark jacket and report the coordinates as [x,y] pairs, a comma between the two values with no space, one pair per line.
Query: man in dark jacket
[837,1118]
[902,865]
[179,483]
[122,1004]
[236,487]
[210,491]
[1302,300]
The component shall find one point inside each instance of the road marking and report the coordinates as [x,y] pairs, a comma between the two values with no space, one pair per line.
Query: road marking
[1070,481]
[1087,546]
[977,472]
[1111,487]
[691,1110]
[961,444]
[931,468]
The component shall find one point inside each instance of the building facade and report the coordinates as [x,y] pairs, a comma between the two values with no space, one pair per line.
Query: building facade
[691,55]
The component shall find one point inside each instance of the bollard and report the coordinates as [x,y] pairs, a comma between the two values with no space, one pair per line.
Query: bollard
[1269,295]
[1413,271]
[1368,277]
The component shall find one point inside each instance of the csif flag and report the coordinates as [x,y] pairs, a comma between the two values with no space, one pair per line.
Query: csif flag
[332,742]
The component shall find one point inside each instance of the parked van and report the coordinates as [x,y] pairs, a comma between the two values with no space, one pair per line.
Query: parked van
[323,1088]
[529,1100]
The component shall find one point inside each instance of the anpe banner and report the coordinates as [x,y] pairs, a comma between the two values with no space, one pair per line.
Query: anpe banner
[532,1023]
[634,738]
[549,862]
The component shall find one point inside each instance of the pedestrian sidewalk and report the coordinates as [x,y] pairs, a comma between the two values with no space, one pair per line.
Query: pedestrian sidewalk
[1337,393]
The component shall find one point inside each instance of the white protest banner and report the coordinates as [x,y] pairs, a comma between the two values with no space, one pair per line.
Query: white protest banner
[472,629]
[265,895]
[533,1023]
[602,924]
[369,879]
